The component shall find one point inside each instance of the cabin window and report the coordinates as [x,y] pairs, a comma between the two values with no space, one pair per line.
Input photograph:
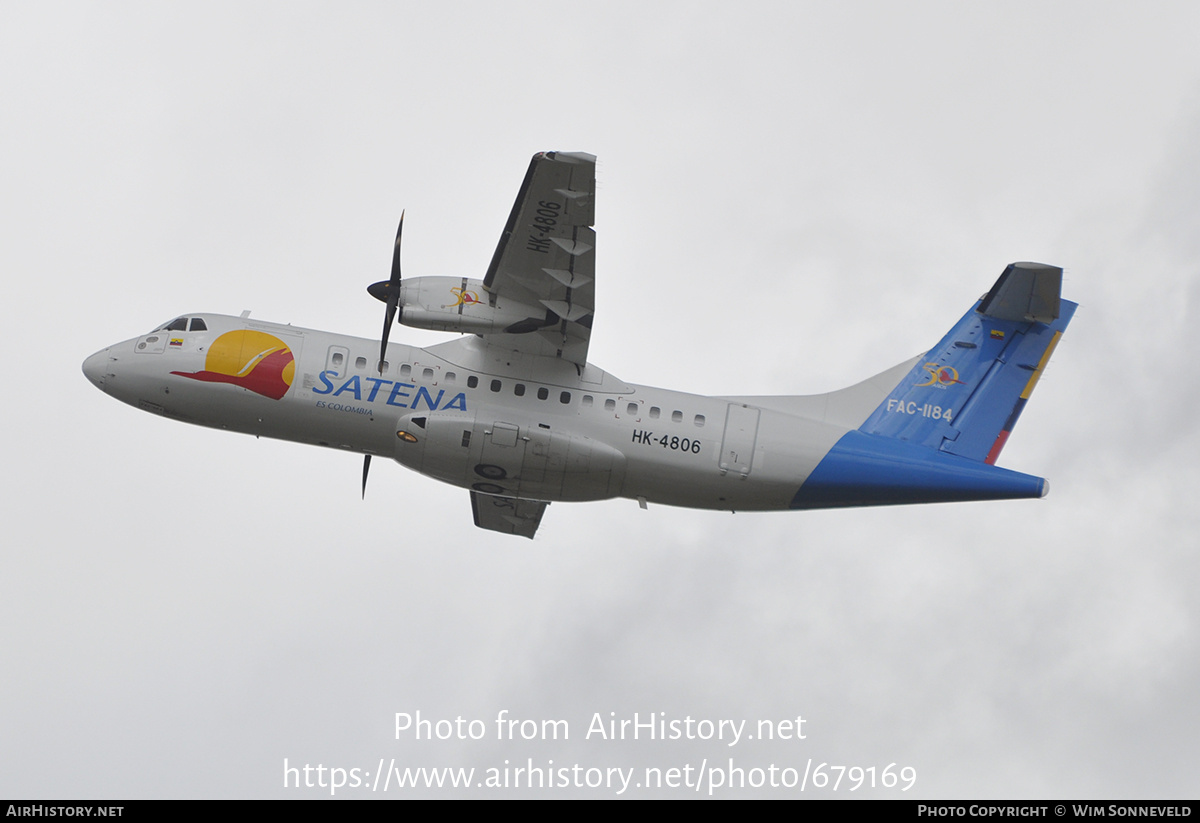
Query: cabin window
[610,404]
[519,390]
[543,393]
[654,412]
[677,416]
[450,376]
[495,385]
[405,370]
[472,382]
[382,366]
[632,409]
[564,398]
[699,420]
[360,362]
[427,374]
[587,400]
[338,359]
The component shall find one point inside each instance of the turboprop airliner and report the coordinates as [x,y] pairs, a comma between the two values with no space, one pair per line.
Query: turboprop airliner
[513,411]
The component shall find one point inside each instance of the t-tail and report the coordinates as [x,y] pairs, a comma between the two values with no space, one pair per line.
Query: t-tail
[936,436]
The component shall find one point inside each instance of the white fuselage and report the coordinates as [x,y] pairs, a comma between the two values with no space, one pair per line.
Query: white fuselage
[508,424]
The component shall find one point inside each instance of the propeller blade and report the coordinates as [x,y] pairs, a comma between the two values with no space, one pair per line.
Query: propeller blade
[396,252]
[389,293]
[393,295]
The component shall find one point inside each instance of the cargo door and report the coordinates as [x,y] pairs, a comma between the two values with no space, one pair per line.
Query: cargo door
[737,444]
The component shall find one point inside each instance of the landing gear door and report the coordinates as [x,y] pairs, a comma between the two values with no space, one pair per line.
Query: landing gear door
[737,444]
[499,468]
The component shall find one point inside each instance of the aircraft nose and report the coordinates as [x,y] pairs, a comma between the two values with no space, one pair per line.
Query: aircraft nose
[95,367]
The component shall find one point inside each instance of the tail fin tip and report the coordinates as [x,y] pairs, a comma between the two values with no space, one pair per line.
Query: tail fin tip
[1025,293]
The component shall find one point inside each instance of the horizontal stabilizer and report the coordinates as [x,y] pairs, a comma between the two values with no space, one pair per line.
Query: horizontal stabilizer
[865,470]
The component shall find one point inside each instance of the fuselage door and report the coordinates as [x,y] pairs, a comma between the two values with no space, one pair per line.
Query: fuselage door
[504,434]
[737,444]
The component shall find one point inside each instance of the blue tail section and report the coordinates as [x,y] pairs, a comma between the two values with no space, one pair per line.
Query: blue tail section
[966,394]
[937,433]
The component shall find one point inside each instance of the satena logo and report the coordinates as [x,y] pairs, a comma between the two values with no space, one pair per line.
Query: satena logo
[940,377]
[256,361]
[393,392]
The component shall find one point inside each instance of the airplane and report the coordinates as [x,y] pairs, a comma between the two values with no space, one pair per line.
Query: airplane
[513,410]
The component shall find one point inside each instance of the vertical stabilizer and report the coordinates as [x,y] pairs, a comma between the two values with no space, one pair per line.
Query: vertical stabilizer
[934,437]
[965,395]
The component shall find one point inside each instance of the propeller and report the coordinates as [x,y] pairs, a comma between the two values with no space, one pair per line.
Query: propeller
[389,292]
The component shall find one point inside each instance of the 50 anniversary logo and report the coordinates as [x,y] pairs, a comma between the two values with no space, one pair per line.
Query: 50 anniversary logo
[940,377]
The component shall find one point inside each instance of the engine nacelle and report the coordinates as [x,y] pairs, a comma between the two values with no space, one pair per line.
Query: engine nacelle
[463,305]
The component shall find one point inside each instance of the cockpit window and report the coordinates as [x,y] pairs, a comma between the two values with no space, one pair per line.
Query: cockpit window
[181,324]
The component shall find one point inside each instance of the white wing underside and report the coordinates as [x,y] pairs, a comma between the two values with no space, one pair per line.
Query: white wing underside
[546,261]
[507,515]
[546,258]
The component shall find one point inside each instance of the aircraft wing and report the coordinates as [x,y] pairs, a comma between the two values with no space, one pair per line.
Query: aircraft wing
[546,258]
[507,514]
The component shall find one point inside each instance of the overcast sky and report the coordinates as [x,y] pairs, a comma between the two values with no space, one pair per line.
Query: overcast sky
[791,197]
